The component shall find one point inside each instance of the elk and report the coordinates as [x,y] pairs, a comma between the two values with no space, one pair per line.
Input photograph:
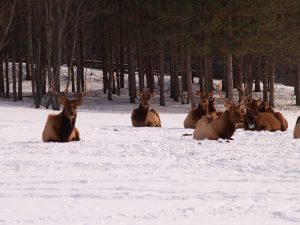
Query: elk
[260,116]
[222,127]
[61,127]
[297,128]
[143,116]
[196,114]
[265,107]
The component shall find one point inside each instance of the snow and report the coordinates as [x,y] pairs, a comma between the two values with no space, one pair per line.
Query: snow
[118,174]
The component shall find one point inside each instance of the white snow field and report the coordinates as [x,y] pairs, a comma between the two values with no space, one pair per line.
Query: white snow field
[118,174]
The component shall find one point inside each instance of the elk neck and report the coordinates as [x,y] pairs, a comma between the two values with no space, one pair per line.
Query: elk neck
[201,109]
[227,124]
[211,108]
[142,112]
[66,125]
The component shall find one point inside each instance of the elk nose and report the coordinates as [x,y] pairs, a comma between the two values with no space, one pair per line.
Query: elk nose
[72,114]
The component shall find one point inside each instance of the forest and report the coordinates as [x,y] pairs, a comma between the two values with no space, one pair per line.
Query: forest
[135,42]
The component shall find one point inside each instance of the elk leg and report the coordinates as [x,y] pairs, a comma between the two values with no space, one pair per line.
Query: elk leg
[77,138]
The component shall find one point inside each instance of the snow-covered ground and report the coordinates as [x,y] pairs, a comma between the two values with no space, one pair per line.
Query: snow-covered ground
[118,174]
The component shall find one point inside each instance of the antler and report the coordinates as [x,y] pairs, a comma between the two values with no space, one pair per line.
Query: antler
[84,91]
[53,90]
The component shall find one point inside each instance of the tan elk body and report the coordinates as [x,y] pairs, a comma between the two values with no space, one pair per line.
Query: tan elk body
[221,127]
[143,116]
[297,128]
[61,127]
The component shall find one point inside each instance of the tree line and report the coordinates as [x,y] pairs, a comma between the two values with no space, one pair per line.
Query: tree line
[239,41]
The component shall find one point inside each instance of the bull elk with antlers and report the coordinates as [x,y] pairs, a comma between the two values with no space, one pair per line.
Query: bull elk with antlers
[61,127]
[221,127]
[143,116]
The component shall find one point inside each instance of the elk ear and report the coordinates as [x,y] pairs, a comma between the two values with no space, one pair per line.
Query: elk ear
[227,104]
[62,100]
[212,99]
[152,94]
[79,100]
[139,93]
[197,93]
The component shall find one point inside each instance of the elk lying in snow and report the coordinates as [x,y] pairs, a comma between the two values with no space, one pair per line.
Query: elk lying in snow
[260,116]
[61,127]
[297,128]
[196,114]
[222,127]
[142,116]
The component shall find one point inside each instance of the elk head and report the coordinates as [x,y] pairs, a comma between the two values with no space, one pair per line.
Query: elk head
[265,107]
[235,111]
[70,104]
[204,98]
[145,98]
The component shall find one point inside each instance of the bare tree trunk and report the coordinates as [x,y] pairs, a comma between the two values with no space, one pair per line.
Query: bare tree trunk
[117,61]
[149,72]
[201,74]
[7,26]
[38,74]
[297,84]
[210,73]
[2,92]
[122,52]
[72,78]
[104,65]
[14,75]
[20,79]
[30,54]
[176,79]
[79,61]
[161,75]
[265,80]
[110,64]
[224,78]
[229,76]
[49,34]
[140,67]
[131,73]
[257,76]
[71,67]
[205,63]
[272,83]
[6,75]
[240,76]
[172,77]
[189,77]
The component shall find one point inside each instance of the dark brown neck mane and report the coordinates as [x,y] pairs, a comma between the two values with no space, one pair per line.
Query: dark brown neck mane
[201,110]
[66,126]
[141,113]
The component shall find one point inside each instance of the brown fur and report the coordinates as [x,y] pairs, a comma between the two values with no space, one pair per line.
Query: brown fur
[142,116]
[196,114]
[222,127]
[212,109]
[260,116]
[297,128]
[61,127]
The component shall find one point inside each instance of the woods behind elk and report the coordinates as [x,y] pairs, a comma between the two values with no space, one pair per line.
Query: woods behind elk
[237,41]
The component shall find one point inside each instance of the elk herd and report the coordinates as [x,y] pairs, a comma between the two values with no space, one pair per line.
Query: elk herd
[208,123]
